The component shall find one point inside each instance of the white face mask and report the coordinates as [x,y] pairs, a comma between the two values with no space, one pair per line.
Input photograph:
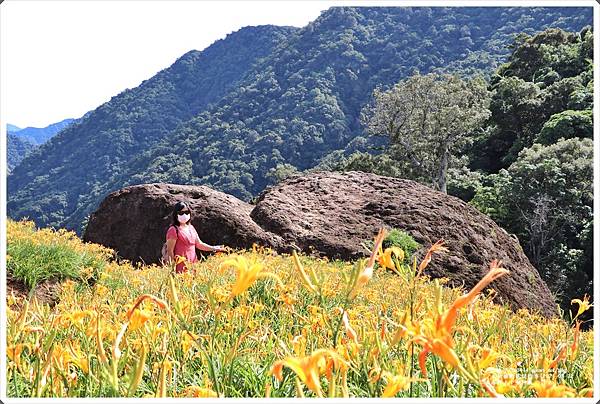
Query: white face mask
[183,218]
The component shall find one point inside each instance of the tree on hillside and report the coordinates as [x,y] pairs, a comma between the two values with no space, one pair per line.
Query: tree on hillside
[545,75]
[567,124]
[546,198]
[428,118]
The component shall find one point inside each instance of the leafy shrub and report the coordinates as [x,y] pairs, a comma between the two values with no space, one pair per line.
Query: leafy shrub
[398,238]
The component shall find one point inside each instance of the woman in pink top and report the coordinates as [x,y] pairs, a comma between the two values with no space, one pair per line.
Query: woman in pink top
[182,238]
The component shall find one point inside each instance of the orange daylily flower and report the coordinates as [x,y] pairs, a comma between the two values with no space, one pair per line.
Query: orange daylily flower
[138,319]
[75,318]
[199,392]
[445,351]
[79,358]
[439,340]
[385,257]
[396,383]
[247,273]
[309,368]
[500,381]
[14,353]
[547,388]
[487,358]
[495,272]
[187,342]
[60,357]
[441,348]
[437,247]
[583,305]
[367,272]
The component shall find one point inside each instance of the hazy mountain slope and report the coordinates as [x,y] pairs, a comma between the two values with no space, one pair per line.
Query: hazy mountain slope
[11,128]
[22,141]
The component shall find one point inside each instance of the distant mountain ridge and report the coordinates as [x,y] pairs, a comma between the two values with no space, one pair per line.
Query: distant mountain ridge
[38,136]
[20,142]
[11,128]
[265,97]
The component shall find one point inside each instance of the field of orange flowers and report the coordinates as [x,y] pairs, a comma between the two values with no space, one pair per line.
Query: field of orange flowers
[260,324]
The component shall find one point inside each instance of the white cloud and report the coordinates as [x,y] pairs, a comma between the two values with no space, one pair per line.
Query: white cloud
[61,59]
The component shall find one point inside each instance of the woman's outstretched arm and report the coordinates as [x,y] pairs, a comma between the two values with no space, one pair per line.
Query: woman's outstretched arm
[206,247]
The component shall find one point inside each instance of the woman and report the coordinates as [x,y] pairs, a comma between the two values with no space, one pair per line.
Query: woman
[182,238]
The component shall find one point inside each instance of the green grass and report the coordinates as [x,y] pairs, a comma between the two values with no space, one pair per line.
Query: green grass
[33,263]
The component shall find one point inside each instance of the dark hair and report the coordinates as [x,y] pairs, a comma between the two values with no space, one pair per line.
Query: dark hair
[178,207]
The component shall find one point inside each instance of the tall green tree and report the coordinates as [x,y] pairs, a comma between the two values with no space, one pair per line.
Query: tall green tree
[428,118]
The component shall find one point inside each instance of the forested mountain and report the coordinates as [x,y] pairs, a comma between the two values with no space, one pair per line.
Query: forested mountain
[547,74]
[536,156]
[38,136]
[300,102]
[16,149]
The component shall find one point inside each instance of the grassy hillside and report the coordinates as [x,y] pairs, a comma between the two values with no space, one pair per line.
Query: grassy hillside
[254,324]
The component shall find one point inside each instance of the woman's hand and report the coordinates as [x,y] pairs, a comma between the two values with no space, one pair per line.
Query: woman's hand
[210,248]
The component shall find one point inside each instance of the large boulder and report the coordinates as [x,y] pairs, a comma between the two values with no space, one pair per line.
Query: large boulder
[134,220]
[335,213]
[331,214]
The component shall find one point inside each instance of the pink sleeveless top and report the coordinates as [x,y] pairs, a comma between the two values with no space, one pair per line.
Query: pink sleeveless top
[185,245]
